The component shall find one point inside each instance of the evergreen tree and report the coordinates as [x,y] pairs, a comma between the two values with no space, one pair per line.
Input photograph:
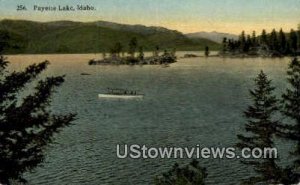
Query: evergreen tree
[27,125]
[192,174]
[242,40]
[118,48]
[253,39]
[288,48]
[298,35]
[264,38]
[133,46]
[273,41]
[232,45]
[291,107]
[282,42]
[248,44]
[206,51]
[293,41]
[141,53]
[4,40]
[224,44]
[261,127]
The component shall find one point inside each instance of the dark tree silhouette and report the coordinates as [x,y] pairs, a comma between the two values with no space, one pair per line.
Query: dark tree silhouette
[206,51]
[263,38]
[298,35]
[291,107]
[225,44]
[273,41]
[133,44]
[248,44]
[192,174]
[116,49]
[293,41]
[261,128]
[271,44]
[141,53]
[26,125]
[254,39]
[282,42]
[242,40]
[4,40]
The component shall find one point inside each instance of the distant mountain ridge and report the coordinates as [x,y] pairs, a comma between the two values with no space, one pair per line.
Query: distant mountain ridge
[93,37]
[137,28]
[213,36]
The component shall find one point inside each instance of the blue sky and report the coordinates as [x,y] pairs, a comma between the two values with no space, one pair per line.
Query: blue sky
[184,15]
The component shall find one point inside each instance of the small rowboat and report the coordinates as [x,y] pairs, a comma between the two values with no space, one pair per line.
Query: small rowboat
[121,96]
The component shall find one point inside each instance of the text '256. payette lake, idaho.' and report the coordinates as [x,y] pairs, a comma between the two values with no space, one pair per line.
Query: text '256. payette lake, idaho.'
[64,8]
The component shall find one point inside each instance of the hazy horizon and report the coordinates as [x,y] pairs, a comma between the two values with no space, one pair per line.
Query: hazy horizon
[228,16]
[238,33]
[62,20]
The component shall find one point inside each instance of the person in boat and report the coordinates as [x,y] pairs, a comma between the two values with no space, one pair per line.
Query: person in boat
[121,91]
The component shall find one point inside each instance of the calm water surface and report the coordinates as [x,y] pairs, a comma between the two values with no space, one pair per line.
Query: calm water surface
[194,101]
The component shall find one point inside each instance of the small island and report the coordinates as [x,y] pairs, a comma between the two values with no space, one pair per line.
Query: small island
[117,56]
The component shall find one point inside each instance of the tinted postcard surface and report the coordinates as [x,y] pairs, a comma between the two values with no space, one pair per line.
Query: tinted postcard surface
[163,92]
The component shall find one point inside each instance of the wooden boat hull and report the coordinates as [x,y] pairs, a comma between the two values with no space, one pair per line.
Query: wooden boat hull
[111,96]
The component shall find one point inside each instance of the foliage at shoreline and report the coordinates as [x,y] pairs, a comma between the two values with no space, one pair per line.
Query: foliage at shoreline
[166,58]
[262,127]
[274,44]
[117,56]
[27,125]
[265,129]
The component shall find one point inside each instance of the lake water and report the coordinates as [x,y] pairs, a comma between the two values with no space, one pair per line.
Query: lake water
[194,101]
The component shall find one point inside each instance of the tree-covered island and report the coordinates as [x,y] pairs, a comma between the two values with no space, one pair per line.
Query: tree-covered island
[117,55]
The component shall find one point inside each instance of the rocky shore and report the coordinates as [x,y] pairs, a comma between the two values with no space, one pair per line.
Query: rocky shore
[166,58]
